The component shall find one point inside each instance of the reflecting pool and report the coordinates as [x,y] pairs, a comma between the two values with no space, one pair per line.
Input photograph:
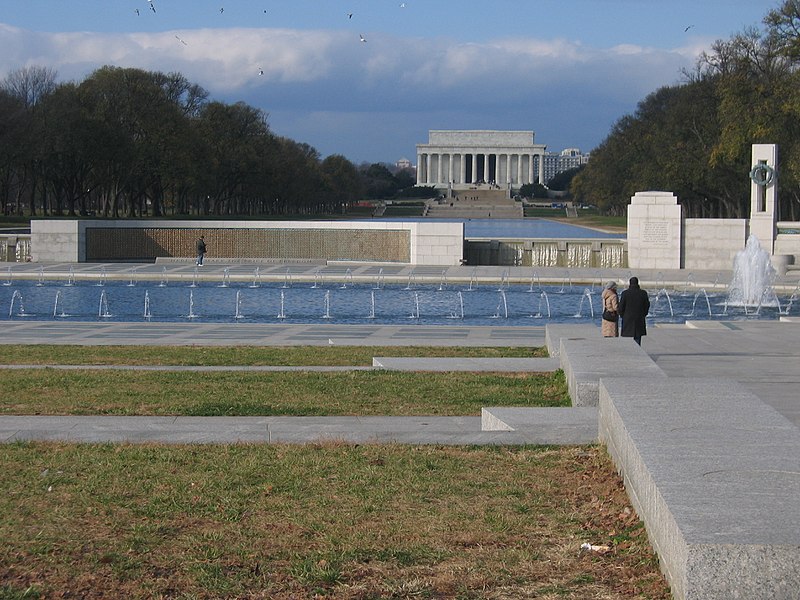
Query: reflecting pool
[347,302]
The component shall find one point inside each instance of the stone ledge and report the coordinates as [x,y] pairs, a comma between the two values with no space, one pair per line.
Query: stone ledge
[554,333]
[586,361]
[714,473]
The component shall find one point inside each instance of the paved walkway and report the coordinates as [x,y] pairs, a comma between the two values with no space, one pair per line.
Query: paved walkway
[262,334]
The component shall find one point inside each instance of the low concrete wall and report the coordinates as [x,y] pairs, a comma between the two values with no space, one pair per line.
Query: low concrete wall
[788,244]
[712,243]
[417,243]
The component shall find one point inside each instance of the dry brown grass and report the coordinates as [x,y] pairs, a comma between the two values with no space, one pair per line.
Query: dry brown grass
[320,521]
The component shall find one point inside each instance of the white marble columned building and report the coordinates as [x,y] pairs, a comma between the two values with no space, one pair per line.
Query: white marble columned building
[463,158]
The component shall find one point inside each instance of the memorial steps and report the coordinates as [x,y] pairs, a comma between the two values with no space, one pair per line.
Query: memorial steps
[474,212]
[476,204]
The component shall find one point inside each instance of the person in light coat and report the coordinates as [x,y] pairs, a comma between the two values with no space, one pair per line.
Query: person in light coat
[610,303]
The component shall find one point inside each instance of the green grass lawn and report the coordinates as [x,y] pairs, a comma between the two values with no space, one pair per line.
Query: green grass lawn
[585,218]
[240,393]
[96,392]
[242,355]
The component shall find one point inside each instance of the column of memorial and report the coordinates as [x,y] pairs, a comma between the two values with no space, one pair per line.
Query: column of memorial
[530,168]
[541,168]
[428,168]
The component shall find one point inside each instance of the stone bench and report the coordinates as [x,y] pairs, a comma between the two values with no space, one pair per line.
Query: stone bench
[714,473]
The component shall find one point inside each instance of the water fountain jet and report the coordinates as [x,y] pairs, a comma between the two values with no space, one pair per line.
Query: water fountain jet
[102,309]
[56,304]
[753,275]
[16,297]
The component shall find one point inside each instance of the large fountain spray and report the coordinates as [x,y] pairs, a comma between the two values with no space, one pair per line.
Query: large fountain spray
[753,275]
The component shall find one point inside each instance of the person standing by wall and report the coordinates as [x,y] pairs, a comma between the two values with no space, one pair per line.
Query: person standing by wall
[633,308]
[201,250]
[610,323]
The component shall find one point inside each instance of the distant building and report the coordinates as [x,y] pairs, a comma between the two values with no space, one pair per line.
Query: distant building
[558,162]
[461,159]
[403,163]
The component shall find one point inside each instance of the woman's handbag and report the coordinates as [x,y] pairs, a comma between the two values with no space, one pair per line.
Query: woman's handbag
[610,315]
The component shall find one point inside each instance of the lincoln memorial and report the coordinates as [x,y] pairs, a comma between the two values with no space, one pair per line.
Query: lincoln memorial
[463,158]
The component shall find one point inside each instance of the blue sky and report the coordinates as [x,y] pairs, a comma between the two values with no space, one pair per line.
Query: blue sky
[566,69]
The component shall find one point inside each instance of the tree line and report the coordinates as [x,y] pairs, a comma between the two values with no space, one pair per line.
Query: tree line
[694,139]
[131,143]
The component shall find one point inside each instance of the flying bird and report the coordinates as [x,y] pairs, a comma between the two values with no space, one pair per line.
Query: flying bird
[261,71]
[688,28]
[152,7]
[181,41]
[402,5]
[349,15]
[136,10]
[221,10]
[362,38]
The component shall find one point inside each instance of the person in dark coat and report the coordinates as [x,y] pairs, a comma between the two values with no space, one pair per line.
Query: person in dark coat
[633,308]
[201,250]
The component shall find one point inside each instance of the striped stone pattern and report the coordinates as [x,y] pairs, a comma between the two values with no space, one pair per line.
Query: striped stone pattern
[386,245]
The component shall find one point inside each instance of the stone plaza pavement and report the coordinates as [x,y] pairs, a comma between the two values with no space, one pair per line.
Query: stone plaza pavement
[703,422]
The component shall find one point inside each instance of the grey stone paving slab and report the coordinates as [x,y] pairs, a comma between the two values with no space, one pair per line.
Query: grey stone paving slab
[101,429]
[466,364]
[715,475]
[183,334]
[212,430]
[585,361]
[763,356]
[192,368]
[573,425]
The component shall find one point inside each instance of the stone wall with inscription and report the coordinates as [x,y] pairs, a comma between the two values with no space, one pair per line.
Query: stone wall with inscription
[654,231]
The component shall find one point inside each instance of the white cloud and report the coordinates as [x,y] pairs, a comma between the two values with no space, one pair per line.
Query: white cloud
[324,73]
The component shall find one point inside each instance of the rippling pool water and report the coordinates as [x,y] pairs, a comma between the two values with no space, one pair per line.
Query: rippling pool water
[351,303]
